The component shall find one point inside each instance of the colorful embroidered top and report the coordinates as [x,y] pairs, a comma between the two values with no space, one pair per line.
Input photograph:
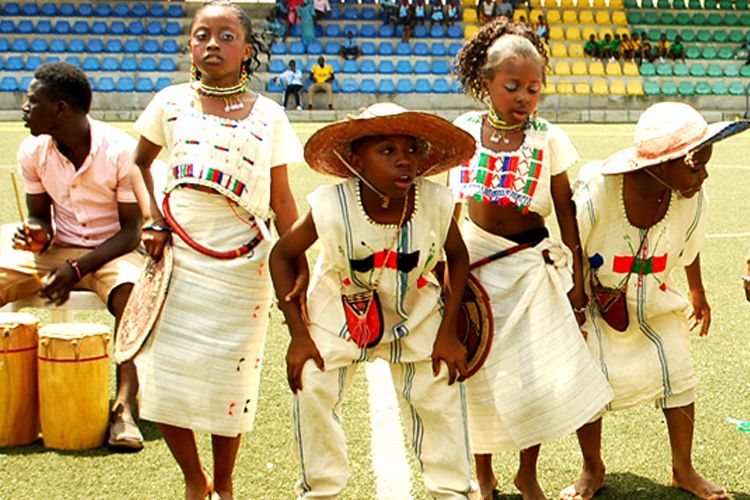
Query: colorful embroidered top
[233,157]
[353,249]
[521,177]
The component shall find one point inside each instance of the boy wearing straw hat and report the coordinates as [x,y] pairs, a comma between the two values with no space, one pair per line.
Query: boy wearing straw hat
[374,294]
[84,222]
[642,214]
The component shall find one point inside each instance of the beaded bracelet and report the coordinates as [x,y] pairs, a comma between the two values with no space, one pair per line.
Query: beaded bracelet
[157,228]
[74,265]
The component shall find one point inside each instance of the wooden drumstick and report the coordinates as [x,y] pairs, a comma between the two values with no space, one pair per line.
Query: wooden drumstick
[17,192]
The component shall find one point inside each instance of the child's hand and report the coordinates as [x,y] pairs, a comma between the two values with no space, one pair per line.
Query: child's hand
[701,314]
[31,237]
[299,292]
[155,241]
[448,349]
[301,349]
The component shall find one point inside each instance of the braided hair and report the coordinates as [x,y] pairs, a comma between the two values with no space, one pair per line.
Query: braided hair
[252,38]
[477,61]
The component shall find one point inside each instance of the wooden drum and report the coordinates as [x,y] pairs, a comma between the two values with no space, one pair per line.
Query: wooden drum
[19,404]
[74,385]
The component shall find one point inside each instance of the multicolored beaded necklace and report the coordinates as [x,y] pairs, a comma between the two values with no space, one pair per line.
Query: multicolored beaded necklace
[232,95]
[500,128]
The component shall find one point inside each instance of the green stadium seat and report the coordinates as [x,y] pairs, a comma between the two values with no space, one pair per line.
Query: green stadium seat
[683,19]
[736,36]
[710,4]
[651,18]
[697,69]
[726,4]
[635,17]
[745,71]
[663,4]
[714,70]
[693,52]
[685,88]
[679,4]
[709,53]
[726,53]
[702,88]
[694,4]
[719,88]
[720,36]
[737,88]
[731,70]
[654,34]
[651,88]
[700,19]
[731,19]
[648,69]
[669,88]
[704,36]
[630,4]
[688,35]
[664,69]
[715,19]
[681,69]
[667,18]
[671,34]
[745,20]
[740,4]
[647,4]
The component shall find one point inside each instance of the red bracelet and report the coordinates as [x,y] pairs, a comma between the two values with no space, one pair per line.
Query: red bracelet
[74,265]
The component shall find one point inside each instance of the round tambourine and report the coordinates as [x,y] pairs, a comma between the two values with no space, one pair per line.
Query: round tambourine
[475,327]
[144,306]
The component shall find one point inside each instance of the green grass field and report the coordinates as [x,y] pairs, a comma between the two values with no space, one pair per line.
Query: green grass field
[636,448]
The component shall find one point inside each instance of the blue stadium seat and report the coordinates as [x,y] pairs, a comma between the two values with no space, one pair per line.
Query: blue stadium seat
[420,31]
[456,88]
[62,27]
[420,49]
[23,85]
[162,83]
[105,84]
[386,67]
[32,63]
[276,66]
[368,31]
[8,84]
[295,30]
[7,26]
[76,45]
[278,48]
[57,45]
[4,45]
[91,64]
[404,86]
[274,86]
[170,46]
[30,9]
[148,64]
[367,67]
[110,63]
[132,46]
[367,14]
[136,28]
[80,28]
[44,27]
[351,14]
[157,10]
[335,14]
[349,86]
[20,45]
[296,48]
[2,65]
[315,48]
[331,48]
[172,28]
[113,46]
[422,86]
[403,49]
[125,84]
[437,31]
[24,27]
[92,82]
[176,11]
[128,64]
[95,46]
[310,65]
[403,67]
[454,48]
[441,86]
[103,9]
[138,10]
[121,10]
[386,86]
[367,86]
[455,32]
[167,64]
[85,10]
[150,46]
[386,31]
[333,30]
[336,65]
[367,49]
[51,59]
[48,9]
[385,49]
[440,67]
[422,67]
[14,63]
[73,60]
[438,49]
[144,85]
[98,28]
[12,9]
[66,9]
[153,28]
[350,27]
[39,45]
[349,67]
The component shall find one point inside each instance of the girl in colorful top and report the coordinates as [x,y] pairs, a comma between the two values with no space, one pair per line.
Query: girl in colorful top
[539,380]
[228,150]
[374,294]
[642,214]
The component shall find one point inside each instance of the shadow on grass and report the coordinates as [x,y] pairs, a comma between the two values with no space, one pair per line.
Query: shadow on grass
[633,487]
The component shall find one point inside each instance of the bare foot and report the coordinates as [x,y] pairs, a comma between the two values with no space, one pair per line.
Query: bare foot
[529,488]
[198,488]
[487,488]
[588,485]
[694,483]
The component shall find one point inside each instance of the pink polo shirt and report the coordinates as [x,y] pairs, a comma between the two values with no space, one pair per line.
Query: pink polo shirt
[85,201]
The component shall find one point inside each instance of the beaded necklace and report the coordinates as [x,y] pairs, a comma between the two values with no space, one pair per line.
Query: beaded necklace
[500,126]
[232,95]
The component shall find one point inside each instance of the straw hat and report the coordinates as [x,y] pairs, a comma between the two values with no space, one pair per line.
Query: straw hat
[442,144]
[666,131]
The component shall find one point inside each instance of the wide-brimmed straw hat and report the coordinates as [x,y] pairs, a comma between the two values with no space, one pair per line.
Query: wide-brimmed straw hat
[442,144]
[666,131]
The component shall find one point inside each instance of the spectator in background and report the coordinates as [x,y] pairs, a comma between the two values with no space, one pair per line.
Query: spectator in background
[504,9]
[605,47]
[542,29]
[677,50]
[349,47]
[291,78]
[436,12]
[636,41]
[405,19]
[322,8]
[275,28]
[626,47]
[647,51]
[591,47]
[420,12]
[662,47]
[291,18]
[486,11]
[614,46]
[306,15]
[453,12]
[321,76]
[388,10]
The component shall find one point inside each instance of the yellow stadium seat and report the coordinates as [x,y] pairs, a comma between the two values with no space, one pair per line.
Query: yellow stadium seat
[600,4]
[559,50]
[613,69]
[469,3]
[596,68]
[553,16]
[617,87]
[635,87]
[562,68]
[575,50]
[564,87]
[599,87]
[582,88]
[602,17]
[588,31]
[535,13]
[586,17]
[605,31]
[619,17]
[579,68]
[470,30]
[549,88]
[630,69]
[556,33]
[622,30]
[567,4]
[569,17]
[616,4]
[536,3]
[470,16]
[573,33]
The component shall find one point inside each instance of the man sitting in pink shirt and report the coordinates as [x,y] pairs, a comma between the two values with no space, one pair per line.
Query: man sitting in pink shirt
[84,221]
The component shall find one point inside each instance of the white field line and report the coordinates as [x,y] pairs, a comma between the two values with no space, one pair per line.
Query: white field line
[392,471]
[729,235]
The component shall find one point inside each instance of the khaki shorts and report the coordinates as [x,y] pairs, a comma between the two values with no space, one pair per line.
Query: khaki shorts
[17,269]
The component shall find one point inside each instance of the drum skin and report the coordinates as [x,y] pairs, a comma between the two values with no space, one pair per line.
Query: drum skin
[19,403]
[475,325]
[74,385]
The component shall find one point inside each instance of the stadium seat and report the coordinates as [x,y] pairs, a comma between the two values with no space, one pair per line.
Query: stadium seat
[172,28]
[148,64]
[386,67]
[679,4]
[296,48]
[23,85]
[162,83]
[85,10]
[170,47]
[635,17]
[32,63]
[720,36]
[685,88]
[617,87]
[422,86]
[422,67]
[562,68]
[737,88]
[596,68]
[103,9]
[648,69]
[4,45]
[651,18]
[48,9]
[120,10]
[132,46]
[731,19]
[404,86]
[385,49]
[386,86]
[693,52]
[386,31]
[110,64]
[125,84]
[349,67]
[20,45]
[578,68]
[157,10]
[555,33]
[571,17]
[335,64]
[367,49]
[602,17]
[368,31]
[438,49]
[619,18]
[351,14]
[315,48]
[437,31]
[441,86]
[669,88]
[106,84]
[745,20]
[278,48]
[333,30]
[714,70]
[39,45]
[136,28]
[726,53]
[697,69]
[117,28]
[719,88]
[7,26]
[14,63]
[629,68]
[367,14]
[703,88]
[736,36]
[151,46]
[175,10]
[349,86]
[582,88]
[731,71]
[664,69]
[153,28]
[368,86]
[635,87]
[469,16]
[90,64]
[12,9]
[57,45]
[30,9]
[709,53]
[553,16]
[613,69]
[688,35]
[573,33]
[681,70]
[144,85]
[667,18]
[8,84]
[420,49]
[440,67]
[564,87]
[715,19]
[367,67]
[331,48]
[73,60]
[599,87]
[575,50]
[403,67]
[558,50]
[419,31]
[138,10]
[113,46]
[43,27]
